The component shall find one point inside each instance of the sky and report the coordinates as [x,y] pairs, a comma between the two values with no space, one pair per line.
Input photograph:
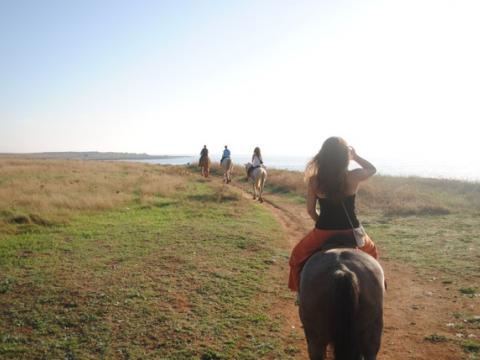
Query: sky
[396,79]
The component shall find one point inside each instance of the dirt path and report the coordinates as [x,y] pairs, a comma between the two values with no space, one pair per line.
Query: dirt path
[414,308]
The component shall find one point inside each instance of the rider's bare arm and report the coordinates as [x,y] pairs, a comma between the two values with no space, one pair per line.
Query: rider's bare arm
[367,170]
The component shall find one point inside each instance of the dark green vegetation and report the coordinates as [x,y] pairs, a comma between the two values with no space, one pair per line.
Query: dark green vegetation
[471,346]
[176,275]
[435,338]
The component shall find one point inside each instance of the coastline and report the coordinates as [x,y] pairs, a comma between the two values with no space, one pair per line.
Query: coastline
[396,168]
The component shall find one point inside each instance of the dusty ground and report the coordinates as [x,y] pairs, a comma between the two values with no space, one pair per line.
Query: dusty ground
[414,308]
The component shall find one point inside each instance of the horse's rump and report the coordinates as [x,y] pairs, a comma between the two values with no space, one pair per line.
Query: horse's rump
[341,290]
[255,171]
[204,161]
[226,163]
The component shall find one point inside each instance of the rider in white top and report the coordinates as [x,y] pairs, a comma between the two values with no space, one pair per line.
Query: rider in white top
[257,160]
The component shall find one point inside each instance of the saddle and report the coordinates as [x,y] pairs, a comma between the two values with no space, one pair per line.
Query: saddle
[339,242]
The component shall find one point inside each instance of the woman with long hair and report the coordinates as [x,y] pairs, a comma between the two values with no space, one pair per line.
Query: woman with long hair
[334,187]
[257,161]
[257,157]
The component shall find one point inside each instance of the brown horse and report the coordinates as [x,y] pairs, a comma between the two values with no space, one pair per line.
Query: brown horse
[341,303]
[204,164]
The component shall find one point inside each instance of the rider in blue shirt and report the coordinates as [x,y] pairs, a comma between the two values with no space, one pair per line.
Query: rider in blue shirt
[226,154]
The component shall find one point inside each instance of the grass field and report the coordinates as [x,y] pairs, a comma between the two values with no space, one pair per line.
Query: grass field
[128,261]
[164,271]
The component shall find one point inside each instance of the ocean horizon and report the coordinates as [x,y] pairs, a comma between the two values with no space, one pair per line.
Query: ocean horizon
[419,168]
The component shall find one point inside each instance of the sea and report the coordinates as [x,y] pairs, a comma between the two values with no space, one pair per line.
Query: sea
[440,170]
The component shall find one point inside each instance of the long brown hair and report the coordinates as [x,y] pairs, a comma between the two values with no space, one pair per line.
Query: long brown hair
[328,168]
[257,152]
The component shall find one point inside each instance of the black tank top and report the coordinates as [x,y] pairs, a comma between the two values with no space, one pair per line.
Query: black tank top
[332,214]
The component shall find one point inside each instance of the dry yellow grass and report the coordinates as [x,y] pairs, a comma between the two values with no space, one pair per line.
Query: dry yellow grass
[51,190]
[392,195]
[55,188]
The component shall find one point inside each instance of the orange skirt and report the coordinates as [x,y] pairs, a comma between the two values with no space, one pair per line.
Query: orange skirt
[310,244]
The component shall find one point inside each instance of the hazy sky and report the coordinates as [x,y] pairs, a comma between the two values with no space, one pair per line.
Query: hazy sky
[397,79]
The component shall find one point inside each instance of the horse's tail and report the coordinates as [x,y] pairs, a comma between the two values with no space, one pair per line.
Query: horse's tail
[344,319]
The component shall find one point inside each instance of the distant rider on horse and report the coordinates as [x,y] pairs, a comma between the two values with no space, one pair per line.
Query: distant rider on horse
[257,161]
[226,154]
[204,151]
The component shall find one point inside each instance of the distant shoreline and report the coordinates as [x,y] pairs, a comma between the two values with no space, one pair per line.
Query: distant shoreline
[90,155]
[292,163]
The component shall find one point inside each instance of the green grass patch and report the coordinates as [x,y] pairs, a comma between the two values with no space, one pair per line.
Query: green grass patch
[435,338]
[468,291]
[447,244]
[181,278]
[471,346]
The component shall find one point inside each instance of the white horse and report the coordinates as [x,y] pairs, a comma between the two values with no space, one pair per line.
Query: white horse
[258,176]
[227,166]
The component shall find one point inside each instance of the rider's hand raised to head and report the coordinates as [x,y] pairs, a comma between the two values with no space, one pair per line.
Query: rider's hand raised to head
[367,169]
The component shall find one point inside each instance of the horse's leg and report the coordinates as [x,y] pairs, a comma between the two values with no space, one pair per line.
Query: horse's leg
[371,339]
[316,347]
[254,190]
[261,184]
[371,313]
[257,188]
[317,351]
